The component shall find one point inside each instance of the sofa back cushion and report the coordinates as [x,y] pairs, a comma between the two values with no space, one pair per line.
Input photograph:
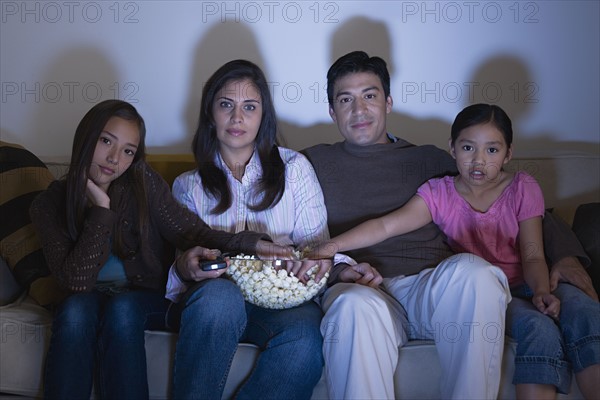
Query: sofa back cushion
[586,225]
[23,176]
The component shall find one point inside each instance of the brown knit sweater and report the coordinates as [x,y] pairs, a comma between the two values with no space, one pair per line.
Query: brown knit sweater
[76,264]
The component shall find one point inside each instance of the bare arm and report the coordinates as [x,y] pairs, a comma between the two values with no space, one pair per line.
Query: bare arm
[534,265]
[413,215]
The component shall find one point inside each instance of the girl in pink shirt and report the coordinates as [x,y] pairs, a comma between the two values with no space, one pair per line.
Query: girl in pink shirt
[497,215]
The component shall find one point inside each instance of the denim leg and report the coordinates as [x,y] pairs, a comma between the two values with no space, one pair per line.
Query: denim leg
[580,324]
[540,356]
[122,368]
[211,318]
[69,369]
[291,359]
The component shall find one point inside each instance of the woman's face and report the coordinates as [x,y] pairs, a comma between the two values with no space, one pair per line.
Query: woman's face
[237,111]
[115,151]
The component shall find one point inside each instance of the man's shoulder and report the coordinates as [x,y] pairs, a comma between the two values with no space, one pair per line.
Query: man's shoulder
[319,151]
[321,147]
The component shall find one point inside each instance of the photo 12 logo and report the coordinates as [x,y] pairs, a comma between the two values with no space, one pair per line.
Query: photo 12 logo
[53,12]
[468,92]
[270,11]
[452,12]
[69,92]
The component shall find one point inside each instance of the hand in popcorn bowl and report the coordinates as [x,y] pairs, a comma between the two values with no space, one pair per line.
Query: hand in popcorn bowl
[266,283]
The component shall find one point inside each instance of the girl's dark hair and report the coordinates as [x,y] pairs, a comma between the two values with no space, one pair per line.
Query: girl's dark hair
[482,114]
[357,61]
[206,145]
[86,138]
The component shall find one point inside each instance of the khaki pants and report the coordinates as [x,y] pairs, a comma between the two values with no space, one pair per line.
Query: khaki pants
[460,304]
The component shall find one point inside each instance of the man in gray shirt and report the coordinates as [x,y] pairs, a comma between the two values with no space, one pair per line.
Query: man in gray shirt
[429,290]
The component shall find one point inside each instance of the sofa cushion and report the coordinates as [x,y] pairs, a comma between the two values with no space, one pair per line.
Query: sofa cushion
[23,177]
[9,288]
[586,225]
[170,166]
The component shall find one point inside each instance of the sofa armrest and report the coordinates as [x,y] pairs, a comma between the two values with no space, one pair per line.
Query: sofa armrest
[586,225]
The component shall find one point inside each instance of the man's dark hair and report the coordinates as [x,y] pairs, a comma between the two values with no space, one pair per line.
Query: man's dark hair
[357,61]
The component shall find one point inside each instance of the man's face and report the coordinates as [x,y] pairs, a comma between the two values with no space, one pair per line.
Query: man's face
[359,108]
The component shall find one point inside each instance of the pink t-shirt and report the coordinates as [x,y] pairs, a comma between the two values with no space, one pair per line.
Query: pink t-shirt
[492,235]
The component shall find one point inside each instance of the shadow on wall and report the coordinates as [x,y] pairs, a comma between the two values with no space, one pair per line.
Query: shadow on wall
[504,80]
[74,82]
[361,33]
[506,72]
[222,43]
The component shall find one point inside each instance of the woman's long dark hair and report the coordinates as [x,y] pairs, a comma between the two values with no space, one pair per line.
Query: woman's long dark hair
[86,138]
[206,145]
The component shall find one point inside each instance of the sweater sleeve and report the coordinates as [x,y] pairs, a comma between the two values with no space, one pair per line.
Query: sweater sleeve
[75,264]
[310,225]
[184,229]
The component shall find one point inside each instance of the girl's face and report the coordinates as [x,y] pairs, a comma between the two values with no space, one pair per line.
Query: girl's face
[237,111]
[480,152]
[115,151]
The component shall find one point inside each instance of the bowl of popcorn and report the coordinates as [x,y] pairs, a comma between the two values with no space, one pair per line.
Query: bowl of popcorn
[264,284]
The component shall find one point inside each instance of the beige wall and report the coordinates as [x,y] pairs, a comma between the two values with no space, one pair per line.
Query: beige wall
[539,60]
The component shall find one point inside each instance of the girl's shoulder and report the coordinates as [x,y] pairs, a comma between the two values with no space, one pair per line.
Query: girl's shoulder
[526,183]
[438,188]
[522,176]
[154,183]
[56,190]
[522,181]
[51,199]
[443,182]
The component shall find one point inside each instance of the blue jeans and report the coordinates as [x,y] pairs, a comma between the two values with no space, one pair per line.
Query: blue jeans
[213,318]
[94,329]
[549,351]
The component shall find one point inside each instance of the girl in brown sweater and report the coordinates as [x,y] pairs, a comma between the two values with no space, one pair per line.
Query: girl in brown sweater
[104,231]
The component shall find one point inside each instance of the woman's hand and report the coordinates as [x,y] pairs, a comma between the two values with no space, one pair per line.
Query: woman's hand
[96,195]
[271,251]
[188,264]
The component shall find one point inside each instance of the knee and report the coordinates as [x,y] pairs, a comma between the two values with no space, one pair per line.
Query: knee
[304,344]
[76,318]
[310,354]
[536,327]
[214,301]
[476,274]
[575,304]
[306,328]
[123,315]
[350,300]
[123,310]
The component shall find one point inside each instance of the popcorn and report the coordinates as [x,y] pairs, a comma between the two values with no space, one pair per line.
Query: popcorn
[261,284]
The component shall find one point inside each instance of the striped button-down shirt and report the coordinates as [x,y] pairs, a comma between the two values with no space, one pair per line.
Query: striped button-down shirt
[298,219]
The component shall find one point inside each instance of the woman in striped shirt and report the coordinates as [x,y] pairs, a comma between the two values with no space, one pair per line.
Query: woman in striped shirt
[245,181]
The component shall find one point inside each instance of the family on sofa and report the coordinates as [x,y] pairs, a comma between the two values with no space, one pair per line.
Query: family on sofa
[103,227]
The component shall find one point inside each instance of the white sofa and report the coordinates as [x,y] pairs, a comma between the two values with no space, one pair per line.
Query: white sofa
[25,326]
[26,332]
